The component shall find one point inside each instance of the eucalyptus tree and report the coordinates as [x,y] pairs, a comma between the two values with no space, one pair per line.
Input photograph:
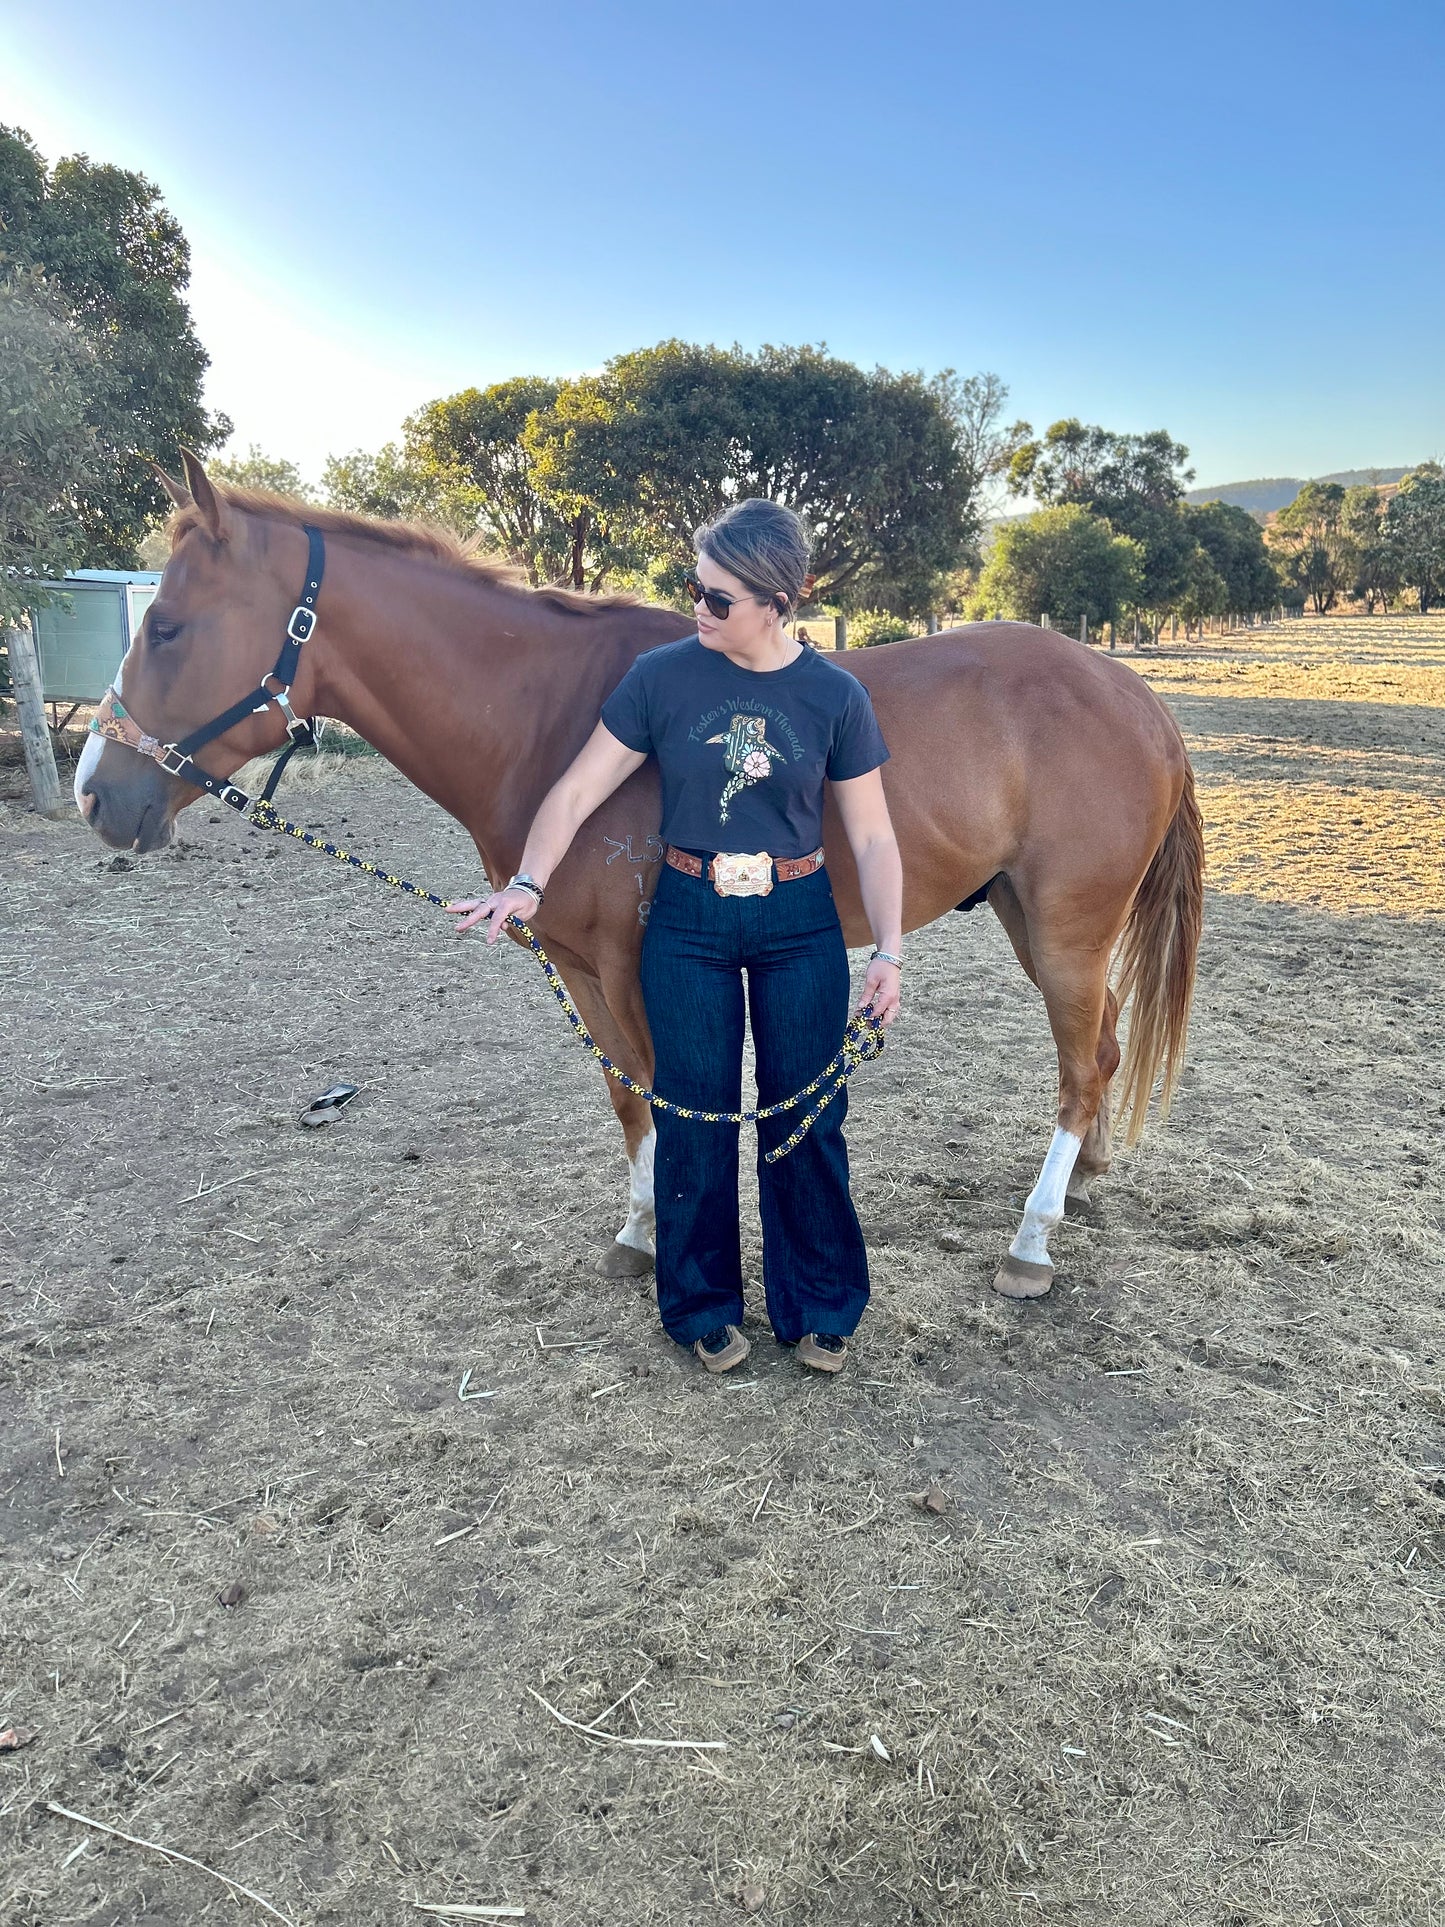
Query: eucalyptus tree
[117,264]
[1414,527]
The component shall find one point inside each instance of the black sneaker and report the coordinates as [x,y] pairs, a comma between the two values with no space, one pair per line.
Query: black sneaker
[721,1349]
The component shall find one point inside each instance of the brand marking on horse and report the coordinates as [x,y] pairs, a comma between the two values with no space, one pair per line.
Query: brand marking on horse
[651,853]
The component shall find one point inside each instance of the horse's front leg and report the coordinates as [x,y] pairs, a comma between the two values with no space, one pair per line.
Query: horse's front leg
[630,1255]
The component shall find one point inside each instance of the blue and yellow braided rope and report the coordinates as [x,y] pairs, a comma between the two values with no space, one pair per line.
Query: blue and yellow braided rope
[863,1038]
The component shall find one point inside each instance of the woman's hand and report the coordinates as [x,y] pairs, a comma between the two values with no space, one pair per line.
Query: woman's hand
[882,990]
[501,904]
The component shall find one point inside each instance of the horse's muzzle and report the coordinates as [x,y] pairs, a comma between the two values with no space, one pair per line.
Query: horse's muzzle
[128,813]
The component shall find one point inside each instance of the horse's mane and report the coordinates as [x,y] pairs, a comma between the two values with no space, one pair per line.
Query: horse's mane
[422,539]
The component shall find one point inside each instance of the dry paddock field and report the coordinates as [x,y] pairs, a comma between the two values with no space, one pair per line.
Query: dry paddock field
[1122,1607]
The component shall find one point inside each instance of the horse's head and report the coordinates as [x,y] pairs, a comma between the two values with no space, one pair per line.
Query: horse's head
[211,634]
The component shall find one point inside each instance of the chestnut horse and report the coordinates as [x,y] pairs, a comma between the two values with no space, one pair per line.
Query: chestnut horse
[1025,769]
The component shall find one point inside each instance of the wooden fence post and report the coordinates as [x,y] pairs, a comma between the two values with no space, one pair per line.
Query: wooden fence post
[1084,630]
[34,732]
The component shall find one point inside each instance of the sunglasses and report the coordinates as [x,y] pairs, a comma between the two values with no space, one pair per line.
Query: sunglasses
[718,604]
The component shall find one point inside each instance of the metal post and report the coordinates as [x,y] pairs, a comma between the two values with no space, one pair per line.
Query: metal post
[1084,630]
[34,733]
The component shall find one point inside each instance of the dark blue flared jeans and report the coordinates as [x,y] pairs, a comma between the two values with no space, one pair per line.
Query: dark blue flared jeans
[695,952]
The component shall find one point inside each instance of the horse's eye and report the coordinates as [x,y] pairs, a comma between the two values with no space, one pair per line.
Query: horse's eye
[164,631]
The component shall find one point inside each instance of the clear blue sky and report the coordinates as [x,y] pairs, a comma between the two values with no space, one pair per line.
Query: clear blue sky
[1225,221]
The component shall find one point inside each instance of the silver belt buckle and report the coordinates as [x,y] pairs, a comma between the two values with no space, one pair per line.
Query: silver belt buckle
[742,876]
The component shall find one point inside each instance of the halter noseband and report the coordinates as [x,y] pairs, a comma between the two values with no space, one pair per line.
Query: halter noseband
[113,721]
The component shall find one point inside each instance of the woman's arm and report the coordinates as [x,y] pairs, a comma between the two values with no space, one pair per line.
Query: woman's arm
[864,810]
[594,773]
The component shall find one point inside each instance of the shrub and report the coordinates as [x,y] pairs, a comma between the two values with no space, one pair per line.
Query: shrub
[872,626]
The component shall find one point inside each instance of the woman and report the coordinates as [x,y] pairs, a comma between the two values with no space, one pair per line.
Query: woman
[747,724]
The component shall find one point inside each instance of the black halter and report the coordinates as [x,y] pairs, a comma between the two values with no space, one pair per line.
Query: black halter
[178,759]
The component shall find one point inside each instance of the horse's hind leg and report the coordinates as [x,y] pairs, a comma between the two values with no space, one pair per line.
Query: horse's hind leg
[1095,1153]
[1075,990]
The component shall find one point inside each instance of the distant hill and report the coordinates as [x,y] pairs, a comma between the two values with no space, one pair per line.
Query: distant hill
[1278,491]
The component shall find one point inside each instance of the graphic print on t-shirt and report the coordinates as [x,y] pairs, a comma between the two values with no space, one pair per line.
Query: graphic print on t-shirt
[746,751]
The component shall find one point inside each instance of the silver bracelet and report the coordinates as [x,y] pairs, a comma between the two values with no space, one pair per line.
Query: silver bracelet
[523,882]
[886,956]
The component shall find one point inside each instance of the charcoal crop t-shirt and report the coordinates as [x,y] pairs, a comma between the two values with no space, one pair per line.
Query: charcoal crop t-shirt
[743,753]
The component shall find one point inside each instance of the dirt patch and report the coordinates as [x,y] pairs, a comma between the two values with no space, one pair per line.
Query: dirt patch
[1168,1653]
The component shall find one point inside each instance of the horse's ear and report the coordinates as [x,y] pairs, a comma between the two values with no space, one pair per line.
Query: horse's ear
[203,495]
[178,494]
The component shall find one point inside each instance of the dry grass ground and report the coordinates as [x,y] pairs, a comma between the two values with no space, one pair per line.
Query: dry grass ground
[1161,1643]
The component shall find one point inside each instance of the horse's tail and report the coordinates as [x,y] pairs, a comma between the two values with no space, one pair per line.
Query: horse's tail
[1155,965]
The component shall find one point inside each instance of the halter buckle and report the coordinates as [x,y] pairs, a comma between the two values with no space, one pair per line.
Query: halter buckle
[302,623]
[238,799]
[176,768]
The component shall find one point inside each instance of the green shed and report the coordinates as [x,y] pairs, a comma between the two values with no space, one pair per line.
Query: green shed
[83,636]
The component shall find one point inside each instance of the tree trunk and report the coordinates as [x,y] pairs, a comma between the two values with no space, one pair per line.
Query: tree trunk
[840,634]
[34,732]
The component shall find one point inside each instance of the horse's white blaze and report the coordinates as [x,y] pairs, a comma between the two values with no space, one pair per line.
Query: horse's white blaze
[640,1231]
[89,757]
[1046,1201]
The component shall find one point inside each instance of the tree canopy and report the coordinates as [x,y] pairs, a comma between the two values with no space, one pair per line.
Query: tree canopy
[1063,562]
[1413,526]
[1135,482]
[1233,546]
[607,476]
[48,444]
[1317,552]
[256,469]
[116,264]
[665,436]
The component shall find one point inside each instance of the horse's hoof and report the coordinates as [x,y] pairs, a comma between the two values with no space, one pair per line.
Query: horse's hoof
[1078,1204]
[624,1261]
[1019,1278]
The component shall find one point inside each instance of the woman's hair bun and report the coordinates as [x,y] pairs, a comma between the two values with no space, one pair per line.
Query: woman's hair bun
[764,545]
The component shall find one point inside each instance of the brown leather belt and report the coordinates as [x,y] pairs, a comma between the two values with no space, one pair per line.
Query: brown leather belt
[761,870]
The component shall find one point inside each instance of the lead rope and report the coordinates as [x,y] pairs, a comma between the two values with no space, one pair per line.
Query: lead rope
[863,1037]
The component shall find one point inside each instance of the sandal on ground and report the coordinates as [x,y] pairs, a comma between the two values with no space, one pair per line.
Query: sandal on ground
[720,1350]
[823,1351]
[321,1110]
